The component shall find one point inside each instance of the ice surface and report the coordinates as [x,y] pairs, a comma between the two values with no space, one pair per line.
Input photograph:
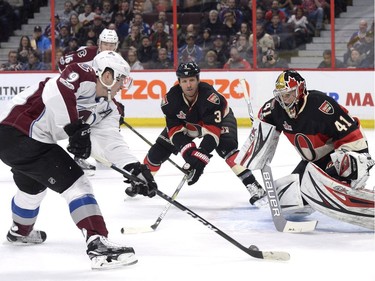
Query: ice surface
[182,248]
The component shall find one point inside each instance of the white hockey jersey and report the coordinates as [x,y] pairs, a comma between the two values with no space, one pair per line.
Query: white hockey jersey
[42,111]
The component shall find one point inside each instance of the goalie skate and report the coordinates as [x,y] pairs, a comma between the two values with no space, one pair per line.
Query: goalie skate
[35,237]
[107,255]
[87,168]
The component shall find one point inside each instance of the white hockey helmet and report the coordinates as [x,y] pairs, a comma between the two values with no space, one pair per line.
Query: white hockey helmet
[109,36]
[113,61]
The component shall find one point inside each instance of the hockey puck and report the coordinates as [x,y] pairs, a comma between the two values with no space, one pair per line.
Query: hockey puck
[253,248]
[122,230]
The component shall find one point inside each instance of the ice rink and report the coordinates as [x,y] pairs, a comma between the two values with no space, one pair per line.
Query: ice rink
[182,248]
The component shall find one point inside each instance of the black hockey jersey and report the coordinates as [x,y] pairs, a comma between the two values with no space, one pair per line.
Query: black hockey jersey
[201,119]
[321,126]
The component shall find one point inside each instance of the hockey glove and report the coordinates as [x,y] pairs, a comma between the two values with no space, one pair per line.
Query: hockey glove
[148,187]
[79,138]
[196,161]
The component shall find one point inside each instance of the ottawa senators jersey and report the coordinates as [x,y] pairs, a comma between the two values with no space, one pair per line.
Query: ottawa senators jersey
[201,119]
[321,126]
[82,55]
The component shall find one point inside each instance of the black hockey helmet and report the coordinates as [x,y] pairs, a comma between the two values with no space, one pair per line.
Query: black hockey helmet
[290,91]
[188,69]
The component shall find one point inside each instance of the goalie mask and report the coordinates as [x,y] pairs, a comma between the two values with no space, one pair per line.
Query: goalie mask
[290,90]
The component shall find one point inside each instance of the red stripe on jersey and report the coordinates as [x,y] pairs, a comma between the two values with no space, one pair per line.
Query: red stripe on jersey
[174,130]
[212,129]
[350,138]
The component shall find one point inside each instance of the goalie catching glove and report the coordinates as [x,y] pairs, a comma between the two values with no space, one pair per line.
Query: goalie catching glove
[147,187]
[196,160]
[353,166]
[79,138]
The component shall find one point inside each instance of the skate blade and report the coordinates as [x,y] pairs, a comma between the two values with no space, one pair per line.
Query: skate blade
[101,263]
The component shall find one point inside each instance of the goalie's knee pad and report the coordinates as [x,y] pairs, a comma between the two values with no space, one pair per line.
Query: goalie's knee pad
[289,193]
[353,166]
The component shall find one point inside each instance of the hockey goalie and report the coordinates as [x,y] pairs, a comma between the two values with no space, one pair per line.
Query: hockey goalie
[331,177]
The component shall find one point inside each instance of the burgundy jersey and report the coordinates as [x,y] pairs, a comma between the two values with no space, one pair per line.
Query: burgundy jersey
[321,126]
[82,55]
[201,119]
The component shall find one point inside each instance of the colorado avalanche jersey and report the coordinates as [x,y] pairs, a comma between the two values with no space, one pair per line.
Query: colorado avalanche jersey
[321,126]
[82,55]
[201,119]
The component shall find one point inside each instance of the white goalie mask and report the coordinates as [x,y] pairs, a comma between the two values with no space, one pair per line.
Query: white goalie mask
[115,62]
[108,36]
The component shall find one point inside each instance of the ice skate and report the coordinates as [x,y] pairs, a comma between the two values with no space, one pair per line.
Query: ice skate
[106,255]
[35,237]
[258,196]
[87,168]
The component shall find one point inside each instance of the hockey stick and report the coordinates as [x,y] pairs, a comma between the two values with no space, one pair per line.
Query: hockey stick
[252,250]
[150,144]
[279,220]
[132,230]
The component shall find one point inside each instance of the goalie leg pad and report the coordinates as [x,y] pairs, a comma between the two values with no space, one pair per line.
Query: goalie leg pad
[337,199]
[260,146]
[289,193]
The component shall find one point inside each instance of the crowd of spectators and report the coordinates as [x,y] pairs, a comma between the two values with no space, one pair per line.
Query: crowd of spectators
[222,39]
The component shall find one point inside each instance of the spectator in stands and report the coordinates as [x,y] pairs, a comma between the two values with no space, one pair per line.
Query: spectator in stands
[260,16]
[144,28]
[146,52]
[220,48]
[283,39]
[170,48]
[159,37]
[205,40]
[107,12]
[34,62]
[162,17]
[242,45]
[125,9]
[244,29]
[13,64]
[231,26]
[245,6]
[87,17]
[235,60]
[271,59]
[6,20]
[133,61]
[75,26]
[66,13]
[286,6]
[79,6]
[72,45]
[357,38]
[231,6]
[47,30]
[210,61]
[162,61]
[121,27]
[132,40]
[302,30]
[263,39]
[213,23]
[40,41]
[23,49]
[327,61]
[190,52]
[62,40]
[88,34]
[275,10]
[315,13]
[97,25]
[190,29]
[357,60]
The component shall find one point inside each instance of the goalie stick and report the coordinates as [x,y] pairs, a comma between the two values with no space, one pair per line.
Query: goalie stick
[252,250]
[145,229]
[281,224]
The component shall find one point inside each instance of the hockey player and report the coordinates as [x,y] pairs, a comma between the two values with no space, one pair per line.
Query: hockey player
[47,112]
[108,41]
[193,110]
[335,162]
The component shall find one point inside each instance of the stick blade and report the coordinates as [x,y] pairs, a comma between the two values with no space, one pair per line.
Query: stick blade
[278,256]
[136,230]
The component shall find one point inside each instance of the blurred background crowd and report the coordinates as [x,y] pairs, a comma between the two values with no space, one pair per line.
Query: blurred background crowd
[215,34]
